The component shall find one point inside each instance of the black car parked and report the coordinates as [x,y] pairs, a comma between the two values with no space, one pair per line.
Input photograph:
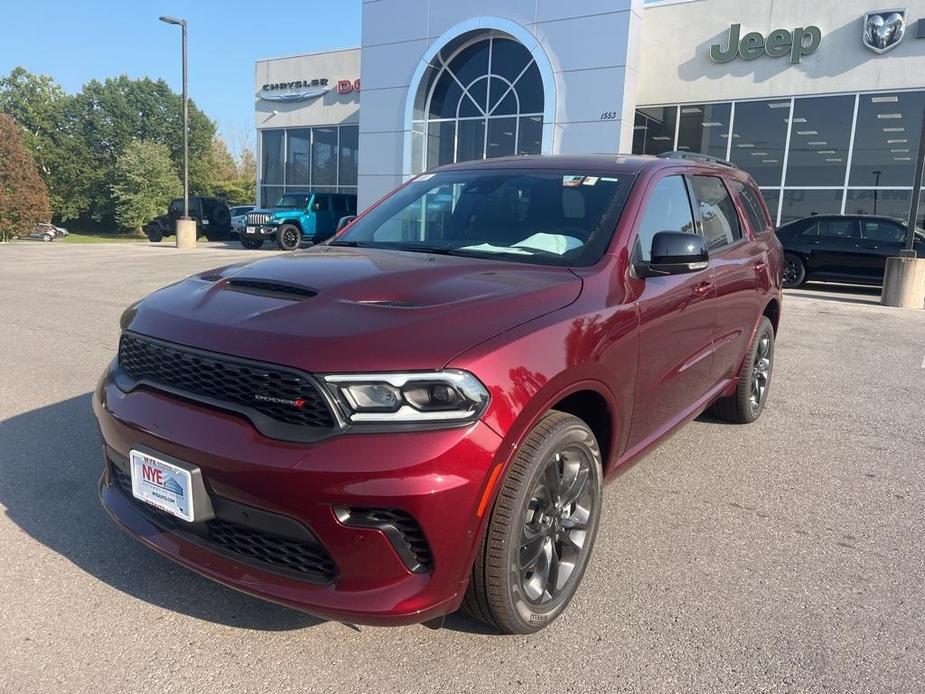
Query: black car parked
[213,219]
[841,248]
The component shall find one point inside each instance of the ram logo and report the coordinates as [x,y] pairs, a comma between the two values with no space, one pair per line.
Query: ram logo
[884,30]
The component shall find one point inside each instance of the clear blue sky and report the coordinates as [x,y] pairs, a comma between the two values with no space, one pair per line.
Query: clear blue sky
[75,42]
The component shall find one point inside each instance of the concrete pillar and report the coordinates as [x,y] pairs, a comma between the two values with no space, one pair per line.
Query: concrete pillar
[186,233]
[904,283]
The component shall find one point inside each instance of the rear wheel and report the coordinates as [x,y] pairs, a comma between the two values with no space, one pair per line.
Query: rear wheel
[541,531]
[754,380]
[288,237]
[251,244]
[794,271]
[154,234]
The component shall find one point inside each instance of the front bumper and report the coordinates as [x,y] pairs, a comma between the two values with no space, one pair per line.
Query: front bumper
[435,477]
[262,231]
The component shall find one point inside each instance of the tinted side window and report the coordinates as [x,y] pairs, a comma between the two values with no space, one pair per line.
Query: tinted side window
[340,204]
[751,204]
[883,231]
[321,203]
[721,225]
[668,209]
[832,229]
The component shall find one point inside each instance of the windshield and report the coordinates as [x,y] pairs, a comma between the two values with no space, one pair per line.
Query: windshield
[551,218]
[293,200]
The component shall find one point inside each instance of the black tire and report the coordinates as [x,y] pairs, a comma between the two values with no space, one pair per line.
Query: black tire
[251,244]
[154,233]
[794,271]
[499,587]
[220,217]
[288,237]
[214,234]
[742,408]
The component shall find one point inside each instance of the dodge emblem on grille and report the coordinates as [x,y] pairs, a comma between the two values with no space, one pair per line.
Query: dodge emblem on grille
[278,401]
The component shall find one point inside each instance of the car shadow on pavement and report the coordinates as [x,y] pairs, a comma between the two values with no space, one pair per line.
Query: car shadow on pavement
[50,463]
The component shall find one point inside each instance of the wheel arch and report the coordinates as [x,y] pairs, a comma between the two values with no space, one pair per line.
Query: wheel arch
[772,313]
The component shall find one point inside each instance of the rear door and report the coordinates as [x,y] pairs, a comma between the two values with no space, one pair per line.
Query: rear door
[739,270]
[676,321]
[880,239]
[832,247]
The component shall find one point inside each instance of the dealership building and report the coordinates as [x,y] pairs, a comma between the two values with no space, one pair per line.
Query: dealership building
[822,102]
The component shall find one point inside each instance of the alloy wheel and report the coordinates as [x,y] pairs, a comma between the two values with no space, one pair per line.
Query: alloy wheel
[791,274]
[291,238]
[555,530]
[761,371]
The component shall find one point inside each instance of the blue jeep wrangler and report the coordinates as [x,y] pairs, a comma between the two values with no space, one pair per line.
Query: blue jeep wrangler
[297,218]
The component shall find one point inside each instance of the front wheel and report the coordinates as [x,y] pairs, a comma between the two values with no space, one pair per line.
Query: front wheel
[288,237]
[541,531]
[794,271]
[754,380]
[251,244]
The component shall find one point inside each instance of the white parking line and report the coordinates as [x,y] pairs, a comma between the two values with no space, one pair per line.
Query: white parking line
[923,362]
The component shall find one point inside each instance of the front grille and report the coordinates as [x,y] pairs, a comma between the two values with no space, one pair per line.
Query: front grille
[268,551]
[281,395]
[255,218]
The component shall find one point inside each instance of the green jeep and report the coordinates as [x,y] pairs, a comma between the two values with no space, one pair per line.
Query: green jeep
[297,217]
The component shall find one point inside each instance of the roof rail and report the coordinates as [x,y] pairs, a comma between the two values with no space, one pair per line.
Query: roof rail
[696,156]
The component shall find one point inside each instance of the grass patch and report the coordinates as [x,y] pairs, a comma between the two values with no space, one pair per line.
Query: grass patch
[97,237]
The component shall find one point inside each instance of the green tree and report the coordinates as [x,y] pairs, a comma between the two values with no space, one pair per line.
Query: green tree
[145,181]
[106,116]
[23,195]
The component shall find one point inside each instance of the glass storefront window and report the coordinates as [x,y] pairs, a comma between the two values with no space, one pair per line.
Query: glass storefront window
[806,203]
[302,159]
[759,137]
[704,129]
[324,157]
[886,203]
[819,137]
[475,103]
[530,137]
[653,132]
[349,149]
[272,163]
[887,139]
[298,156]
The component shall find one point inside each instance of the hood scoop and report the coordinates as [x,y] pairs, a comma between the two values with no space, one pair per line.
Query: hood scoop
[271,288]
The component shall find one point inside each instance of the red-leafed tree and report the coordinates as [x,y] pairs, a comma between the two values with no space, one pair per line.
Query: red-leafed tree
[23,195]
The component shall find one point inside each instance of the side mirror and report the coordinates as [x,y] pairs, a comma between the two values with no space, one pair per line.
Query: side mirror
[344,221]
[675,253]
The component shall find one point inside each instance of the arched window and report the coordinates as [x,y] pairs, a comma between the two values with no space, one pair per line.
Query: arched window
[482,97]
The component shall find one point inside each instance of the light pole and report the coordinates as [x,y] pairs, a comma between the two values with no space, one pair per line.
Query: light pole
[877,175]
[182,24]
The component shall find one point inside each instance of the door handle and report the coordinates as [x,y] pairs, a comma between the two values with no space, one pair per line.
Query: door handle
[703,288]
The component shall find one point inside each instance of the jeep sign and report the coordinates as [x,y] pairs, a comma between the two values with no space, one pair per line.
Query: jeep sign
[780,42]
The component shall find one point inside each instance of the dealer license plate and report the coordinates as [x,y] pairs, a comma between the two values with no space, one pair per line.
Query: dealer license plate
[251,230]
[162,485]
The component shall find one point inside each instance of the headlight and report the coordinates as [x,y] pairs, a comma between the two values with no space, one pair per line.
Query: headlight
[425,397]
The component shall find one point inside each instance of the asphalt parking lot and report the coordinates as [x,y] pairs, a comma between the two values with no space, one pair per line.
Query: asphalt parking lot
[784,556]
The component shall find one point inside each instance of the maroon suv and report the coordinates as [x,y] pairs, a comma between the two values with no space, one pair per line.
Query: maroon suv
[420,415]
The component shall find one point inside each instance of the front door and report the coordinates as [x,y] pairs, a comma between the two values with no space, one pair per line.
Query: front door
[676,322]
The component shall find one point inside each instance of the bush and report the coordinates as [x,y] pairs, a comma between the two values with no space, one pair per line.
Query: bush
[23,195]
[145,183]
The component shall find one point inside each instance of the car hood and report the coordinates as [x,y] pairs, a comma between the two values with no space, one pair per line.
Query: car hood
[277,211]
[334,309]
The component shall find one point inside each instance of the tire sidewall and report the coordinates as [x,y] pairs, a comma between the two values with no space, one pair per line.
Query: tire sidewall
[280,237]
[800,264]
[764,328]
[530,616]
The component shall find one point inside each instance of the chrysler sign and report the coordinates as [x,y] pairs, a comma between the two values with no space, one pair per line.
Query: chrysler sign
[304,90]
